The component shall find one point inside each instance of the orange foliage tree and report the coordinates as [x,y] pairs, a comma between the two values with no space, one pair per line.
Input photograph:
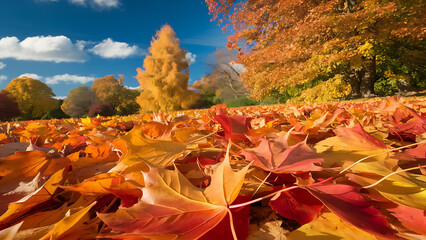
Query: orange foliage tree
[164,80]
[286,43]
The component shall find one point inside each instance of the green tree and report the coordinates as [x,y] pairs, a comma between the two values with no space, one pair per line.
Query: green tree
[78,102]
[111,91]
[34,98]
[57,113]
[165,79]
[127,102]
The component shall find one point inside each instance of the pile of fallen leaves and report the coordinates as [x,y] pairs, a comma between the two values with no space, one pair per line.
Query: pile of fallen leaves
[351,170]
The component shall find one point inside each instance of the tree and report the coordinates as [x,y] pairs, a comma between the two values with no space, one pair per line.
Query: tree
[57,113]
[284,44]
[34,98]
[111,91]
[165,79]
[78,102]
[8,106]
[224,82]
[128,104]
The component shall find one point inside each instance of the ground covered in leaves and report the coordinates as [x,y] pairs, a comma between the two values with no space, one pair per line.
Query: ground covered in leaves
[350,170]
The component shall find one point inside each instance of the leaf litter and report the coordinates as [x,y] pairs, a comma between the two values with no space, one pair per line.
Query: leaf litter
[352,170]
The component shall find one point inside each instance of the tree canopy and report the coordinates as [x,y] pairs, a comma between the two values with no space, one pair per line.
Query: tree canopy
[34,98]
[111,91]
[164,80]
[78,102]
[224,82]
[368,43]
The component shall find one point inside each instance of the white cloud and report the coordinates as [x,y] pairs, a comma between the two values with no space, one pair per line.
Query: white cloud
[60,97]
[108,48]
[68,79]
[2,65]
[103,4]
[42,48]
[78,2]
[132,88]
[3,77]
[190,57]
[31,75]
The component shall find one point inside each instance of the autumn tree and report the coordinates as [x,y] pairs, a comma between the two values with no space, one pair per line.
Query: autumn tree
[34,98]
[8,106]
[285,44]
[164,79]
[56,113]
[224,82]
[78,102]
[111,91]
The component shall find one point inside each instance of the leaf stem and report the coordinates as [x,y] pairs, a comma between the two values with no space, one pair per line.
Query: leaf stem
[396,172]
[373,155]
[262,198]
[231,222]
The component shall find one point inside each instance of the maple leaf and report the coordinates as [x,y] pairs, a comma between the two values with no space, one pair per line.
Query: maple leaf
[156,152]
[107,183]
[329,226]
[235,127]
[418,152]
[276,156]
[403,188]
[416,125]
[171,206]
[24,172]
[60,229]
[356,138]
[411,218]
[24,205]
[346,202]
[296,204]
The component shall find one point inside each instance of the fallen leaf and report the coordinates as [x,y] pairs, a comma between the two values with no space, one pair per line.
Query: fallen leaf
[297,204]
[346,202]
[278,157]
[183,211]
[329,227]
[158,153]
[403,188]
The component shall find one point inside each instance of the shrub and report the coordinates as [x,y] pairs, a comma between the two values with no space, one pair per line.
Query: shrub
[8,106]
[331,90]
[241,102]
[101,109]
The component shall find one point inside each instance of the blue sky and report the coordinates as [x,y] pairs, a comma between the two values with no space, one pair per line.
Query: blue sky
[68,43]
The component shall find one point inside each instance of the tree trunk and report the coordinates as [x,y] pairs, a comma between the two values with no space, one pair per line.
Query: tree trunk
[362,82]
[368,78]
